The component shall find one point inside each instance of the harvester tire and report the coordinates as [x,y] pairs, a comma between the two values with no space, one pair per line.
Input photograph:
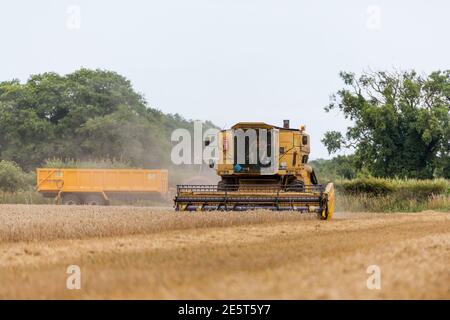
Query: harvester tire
[70,199]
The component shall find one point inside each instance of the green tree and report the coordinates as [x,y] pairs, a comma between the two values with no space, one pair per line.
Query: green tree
[401,122]
[340,167]
[12,178]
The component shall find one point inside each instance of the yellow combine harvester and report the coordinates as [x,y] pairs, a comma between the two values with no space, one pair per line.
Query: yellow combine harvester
[261,167]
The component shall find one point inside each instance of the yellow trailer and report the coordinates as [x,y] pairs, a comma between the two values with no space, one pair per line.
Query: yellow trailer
[98,186]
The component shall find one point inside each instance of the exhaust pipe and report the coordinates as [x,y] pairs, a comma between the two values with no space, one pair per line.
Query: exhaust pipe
[286,124]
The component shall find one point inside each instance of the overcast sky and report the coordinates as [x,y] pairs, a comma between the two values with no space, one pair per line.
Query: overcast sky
[228,60]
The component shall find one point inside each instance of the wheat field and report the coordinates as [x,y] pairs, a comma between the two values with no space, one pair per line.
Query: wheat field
[155,253]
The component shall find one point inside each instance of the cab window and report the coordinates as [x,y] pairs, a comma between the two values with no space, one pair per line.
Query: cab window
[304,140]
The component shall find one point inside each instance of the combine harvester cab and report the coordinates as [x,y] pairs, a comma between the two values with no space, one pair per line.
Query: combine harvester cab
[261,167]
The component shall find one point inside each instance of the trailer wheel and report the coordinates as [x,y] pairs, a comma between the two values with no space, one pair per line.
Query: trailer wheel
[70,199]
[94,200]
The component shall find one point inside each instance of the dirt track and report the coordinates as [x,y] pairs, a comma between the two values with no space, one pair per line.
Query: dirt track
[154,253]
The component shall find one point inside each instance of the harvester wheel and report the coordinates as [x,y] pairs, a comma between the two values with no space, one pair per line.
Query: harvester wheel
[70,199]
[94,200]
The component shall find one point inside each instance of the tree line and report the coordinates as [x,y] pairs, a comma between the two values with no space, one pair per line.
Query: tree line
[400,124]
